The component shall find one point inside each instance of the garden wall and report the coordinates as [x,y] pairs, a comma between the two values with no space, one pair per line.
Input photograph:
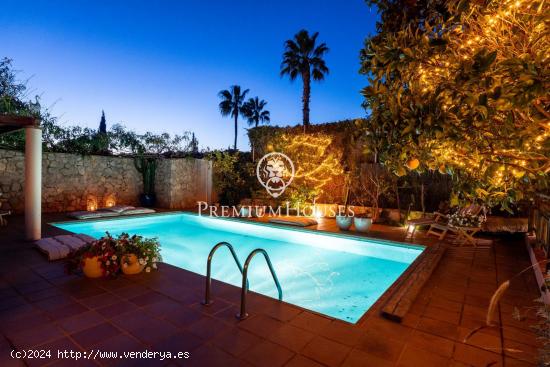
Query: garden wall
[182,182]
[70,181]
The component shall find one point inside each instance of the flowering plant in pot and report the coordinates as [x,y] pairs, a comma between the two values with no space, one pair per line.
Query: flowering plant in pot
[138,253]
[108,256]
[458,219]
[97,259]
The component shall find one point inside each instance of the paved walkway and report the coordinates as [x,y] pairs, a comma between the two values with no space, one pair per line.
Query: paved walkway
[41,307]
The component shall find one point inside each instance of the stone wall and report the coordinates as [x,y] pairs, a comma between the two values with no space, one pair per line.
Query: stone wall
[180,183]
[71,182]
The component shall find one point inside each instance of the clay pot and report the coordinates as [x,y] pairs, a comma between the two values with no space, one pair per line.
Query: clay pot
[92,267]
[362,224]
[344,222]
[130,265]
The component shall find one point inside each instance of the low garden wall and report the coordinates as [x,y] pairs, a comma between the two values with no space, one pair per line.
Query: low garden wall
[71,182]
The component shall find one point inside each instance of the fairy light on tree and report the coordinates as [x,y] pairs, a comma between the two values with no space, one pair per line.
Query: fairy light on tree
[316,164]
[464,85]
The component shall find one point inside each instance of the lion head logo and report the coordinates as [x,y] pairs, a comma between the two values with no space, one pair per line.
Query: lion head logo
[275,172]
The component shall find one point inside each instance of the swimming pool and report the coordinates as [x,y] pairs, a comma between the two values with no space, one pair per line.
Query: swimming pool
[339,276]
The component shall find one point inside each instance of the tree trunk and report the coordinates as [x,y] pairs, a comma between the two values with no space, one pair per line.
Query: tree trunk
[235,143]
[396,189]
[305,98]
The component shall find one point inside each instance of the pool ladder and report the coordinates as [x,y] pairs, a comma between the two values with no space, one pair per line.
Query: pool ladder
[244,271]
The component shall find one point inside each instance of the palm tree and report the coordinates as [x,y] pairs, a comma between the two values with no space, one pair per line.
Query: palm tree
[302,57]
[255,113]
[232,104]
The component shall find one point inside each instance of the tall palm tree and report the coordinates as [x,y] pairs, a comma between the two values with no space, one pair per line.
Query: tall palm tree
[255,113]
[232,101]
[302,57]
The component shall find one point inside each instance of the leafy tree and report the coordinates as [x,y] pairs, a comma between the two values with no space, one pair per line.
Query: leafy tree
[231,104]
[462,87]
[255,113]
[304,58]
[102,124]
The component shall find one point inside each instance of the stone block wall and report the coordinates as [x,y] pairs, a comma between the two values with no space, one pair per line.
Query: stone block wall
[71,182]
[181,182]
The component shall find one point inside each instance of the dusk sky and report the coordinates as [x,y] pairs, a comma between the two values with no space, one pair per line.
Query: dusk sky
[158,65]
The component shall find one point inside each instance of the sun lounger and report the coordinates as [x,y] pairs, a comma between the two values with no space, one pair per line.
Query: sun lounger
[113,211]
[84,214]
[294,221]
[138,210]
[118,208]
[59,247]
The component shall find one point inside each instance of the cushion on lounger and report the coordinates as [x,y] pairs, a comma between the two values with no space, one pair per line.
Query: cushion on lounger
[91,215]
[294,221]
[59,247]
[118,208]
[138,210]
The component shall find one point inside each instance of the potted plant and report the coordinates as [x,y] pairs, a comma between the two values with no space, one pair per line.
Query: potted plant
[97,259]
[138,253]
[147,166]
[107,256]
[362,222]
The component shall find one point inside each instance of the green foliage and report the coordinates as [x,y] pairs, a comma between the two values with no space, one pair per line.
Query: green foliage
[13,93]
[147,250]
[147,166]
[299,195]
[233,176]
[231,104]
[463,88]
[254,112]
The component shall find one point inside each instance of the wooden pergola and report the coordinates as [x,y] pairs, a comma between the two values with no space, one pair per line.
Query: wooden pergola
[33,169]
[9,123]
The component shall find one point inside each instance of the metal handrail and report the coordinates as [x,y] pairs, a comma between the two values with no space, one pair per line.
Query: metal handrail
[243,315]
[207,299]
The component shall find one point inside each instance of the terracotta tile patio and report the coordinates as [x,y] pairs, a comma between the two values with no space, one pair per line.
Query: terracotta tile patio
[43,308]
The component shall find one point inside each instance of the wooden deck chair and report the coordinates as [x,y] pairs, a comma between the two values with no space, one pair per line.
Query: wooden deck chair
[440,230]
[436,217]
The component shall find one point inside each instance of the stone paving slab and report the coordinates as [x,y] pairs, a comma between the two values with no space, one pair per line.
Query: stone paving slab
[42,307]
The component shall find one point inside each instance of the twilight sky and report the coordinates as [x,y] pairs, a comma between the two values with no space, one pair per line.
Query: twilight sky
[158,65]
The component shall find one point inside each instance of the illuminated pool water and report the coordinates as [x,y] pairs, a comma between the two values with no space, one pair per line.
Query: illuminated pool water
[340,276]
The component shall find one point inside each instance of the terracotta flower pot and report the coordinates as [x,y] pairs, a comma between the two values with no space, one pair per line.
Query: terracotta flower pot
[92,267]
[130,264]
